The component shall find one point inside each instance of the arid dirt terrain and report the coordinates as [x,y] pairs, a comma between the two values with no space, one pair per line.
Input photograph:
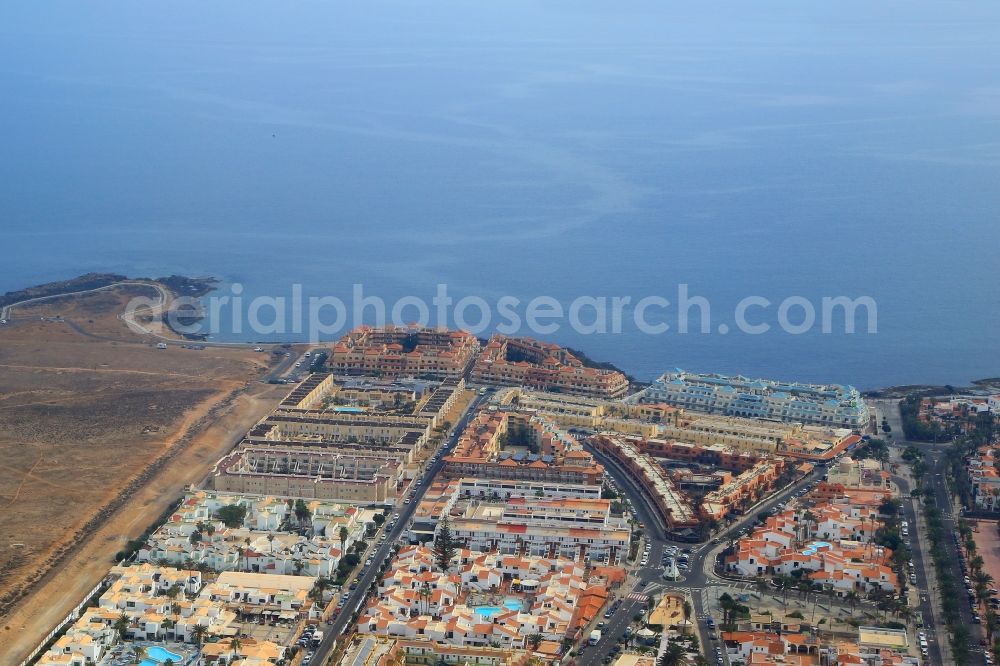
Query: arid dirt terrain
[99,432]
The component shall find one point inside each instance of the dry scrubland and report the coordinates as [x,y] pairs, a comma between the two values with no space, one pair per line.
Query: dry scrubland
[93,418]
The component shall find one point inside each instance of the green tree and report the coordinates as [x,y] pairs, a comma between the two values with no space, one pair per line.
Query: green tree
[234,645]
[444,545]
[728,606]
[232,515]
[121,626]
[672,656]
[302,512]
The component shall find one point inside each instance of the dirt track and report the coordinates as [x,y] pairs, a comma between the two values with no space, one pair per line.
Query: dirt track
[96,439]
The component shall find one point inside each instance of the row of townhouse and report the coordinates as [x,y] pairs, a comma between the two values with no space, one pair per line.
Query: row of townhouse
[348,427]
[309,393]
[510,537]
[673,505]
[496,500]
[742,490]
[311,472]
[578,412]
[830,545]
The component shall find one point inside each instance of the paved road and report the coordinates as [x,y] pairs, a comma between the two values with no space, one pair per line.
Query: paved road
[698,577]
[6,313]
[937,480]
[383,552]
[924,570]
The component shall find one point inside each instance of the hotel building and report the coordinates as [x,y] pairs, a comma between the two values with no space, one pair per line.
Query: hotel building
[543,452]
[404,351]
[542,365]
[829,405]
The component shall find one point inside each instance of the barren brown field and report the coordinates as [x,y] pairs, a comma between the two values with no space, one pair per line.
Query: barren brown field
[99,432]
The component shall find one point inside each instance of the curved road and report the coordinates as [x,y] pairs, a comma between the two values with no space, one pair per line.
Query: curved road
[129,317]
[649,579]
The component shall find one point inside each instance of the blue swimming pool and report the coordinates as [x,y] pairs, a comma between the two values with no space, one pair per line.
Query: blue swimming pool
[490,611]
[814,547]
[487,611]
[155,656]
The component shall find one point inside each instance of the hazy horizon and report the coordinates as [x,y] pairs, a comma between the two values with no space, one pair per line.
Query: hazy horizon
[527,149]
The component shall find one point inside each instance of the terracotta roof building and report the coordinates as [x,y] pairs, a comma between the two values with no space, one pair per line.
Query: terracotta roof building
[542,365]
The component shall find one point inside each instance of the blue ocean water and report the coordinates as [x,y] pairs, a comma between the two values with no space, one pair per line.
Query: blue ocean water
[530,148]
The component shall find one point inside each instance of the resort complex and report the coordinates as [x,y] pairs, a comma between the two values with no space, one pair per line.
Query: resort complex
[504,444]
[423,499]
[540,365]
[404,351]
[482,599]
[833,405]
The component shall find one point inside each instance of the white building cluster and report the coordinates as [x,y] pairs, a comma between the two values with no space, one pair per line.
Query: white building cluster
[270,540]
[829,405]
[163,604]
[517,597]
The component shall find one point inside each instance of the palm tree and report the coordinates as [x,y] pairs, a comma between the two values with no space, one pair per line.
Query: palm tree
[234,646]
[121,626]
[319,587]
[990,621]
[343,538]
[852,597]
[808,518]
[425,595]
[686,609]
[534,641]
[270,543]
[140,654]
[728,605]
[199,632]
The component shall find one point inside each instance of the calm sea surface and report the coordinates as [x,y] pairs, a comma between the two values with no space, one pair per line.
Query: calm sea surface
[512,148]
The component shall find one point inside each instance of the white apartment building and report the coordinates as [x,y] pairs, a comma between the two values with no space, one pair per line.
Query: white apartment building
[831,405]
